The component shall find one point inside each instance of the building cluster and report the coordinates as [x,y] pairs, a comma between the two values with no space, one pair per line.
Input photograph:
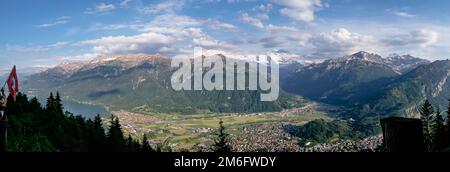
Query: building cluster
[274,138]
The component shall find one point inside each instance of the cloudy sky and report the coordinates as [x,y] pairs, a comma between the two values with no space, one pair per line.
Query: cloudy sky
[48,32]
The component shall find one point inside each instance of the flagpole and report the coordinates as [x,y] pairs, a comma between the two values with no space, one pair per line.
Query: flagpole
[4,84]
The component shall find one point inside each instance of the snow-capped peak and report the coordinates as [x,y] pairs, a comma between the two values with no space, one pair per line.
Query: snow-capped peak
[362,55]
[403,56]
[367,56]
[286,57]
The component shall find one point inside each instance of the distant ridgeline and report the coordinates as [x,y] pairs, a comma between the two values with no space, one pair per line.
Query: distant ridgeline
[142,83]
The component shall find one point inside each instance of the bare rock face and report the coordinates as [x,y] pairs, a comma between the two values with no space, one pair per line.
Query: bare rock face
[404,63]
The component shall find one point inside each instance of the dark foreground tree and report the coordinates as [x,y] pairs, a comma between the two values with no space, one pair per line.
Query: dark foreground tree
[146,145]
[133,145]
[221,141]
[439,131]
[33,128]
[447,130]
[115,137]
[426,115]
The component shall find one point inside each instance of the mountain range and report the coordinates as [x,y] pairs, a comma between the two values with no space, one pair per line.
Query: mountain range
[348,80]
[403,96]
[364,85]
[141,83]
[369,86]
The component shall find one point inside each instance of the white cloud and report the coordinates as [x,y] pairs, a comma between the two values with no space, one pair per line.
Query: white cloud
[300,10]
[404,14]
[277,28]
[401,13]
[59,44]
[167,34]
[101,27]
[101,8]
[105,7]
[57,21]
[178,27]
[215,24]
[270,42]
[166,6]
[52,24]
[63,18]
[143,43]
[183,32]
[263,16]
[289,36]
[124,3]
[210,43]
[172,21]
[340,42]
[420,38]
[251,20]
[263,7]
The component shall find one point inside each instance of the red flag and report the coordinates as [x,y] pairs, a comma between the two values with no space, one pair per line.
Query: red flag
[13,83]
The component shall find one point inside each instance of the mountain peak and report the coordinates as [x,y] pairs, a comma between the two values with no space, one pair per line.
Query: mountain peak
[404,62]
[366,55]
[401,56]
[362,53]
[286,57]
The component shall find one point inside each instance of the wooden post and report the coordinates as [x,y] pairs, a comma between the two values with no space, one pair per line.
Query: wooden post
[403,135]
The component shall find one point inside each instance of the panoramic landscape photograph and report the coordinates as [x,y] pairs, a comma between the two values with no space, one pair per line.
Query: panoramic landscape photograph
[221,76]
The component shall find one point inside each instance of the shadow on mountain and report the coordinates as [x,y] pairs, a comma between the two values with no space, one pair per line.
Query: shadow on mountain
[99,94]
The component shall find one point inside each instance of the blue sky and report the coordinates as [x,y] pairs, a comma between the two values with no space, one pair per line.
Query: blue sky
[45,33]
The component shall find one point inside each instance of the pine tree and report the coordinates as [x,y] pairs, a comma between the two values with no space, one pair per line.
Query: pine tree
[58,104]
[50,102]
[55,123]
[131,144]
[146,145]
[447,133]
[97,137]
[52,116]
[115,136]
[33,128]
[439,131]
[221,142]
[35,106]
[426,115]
